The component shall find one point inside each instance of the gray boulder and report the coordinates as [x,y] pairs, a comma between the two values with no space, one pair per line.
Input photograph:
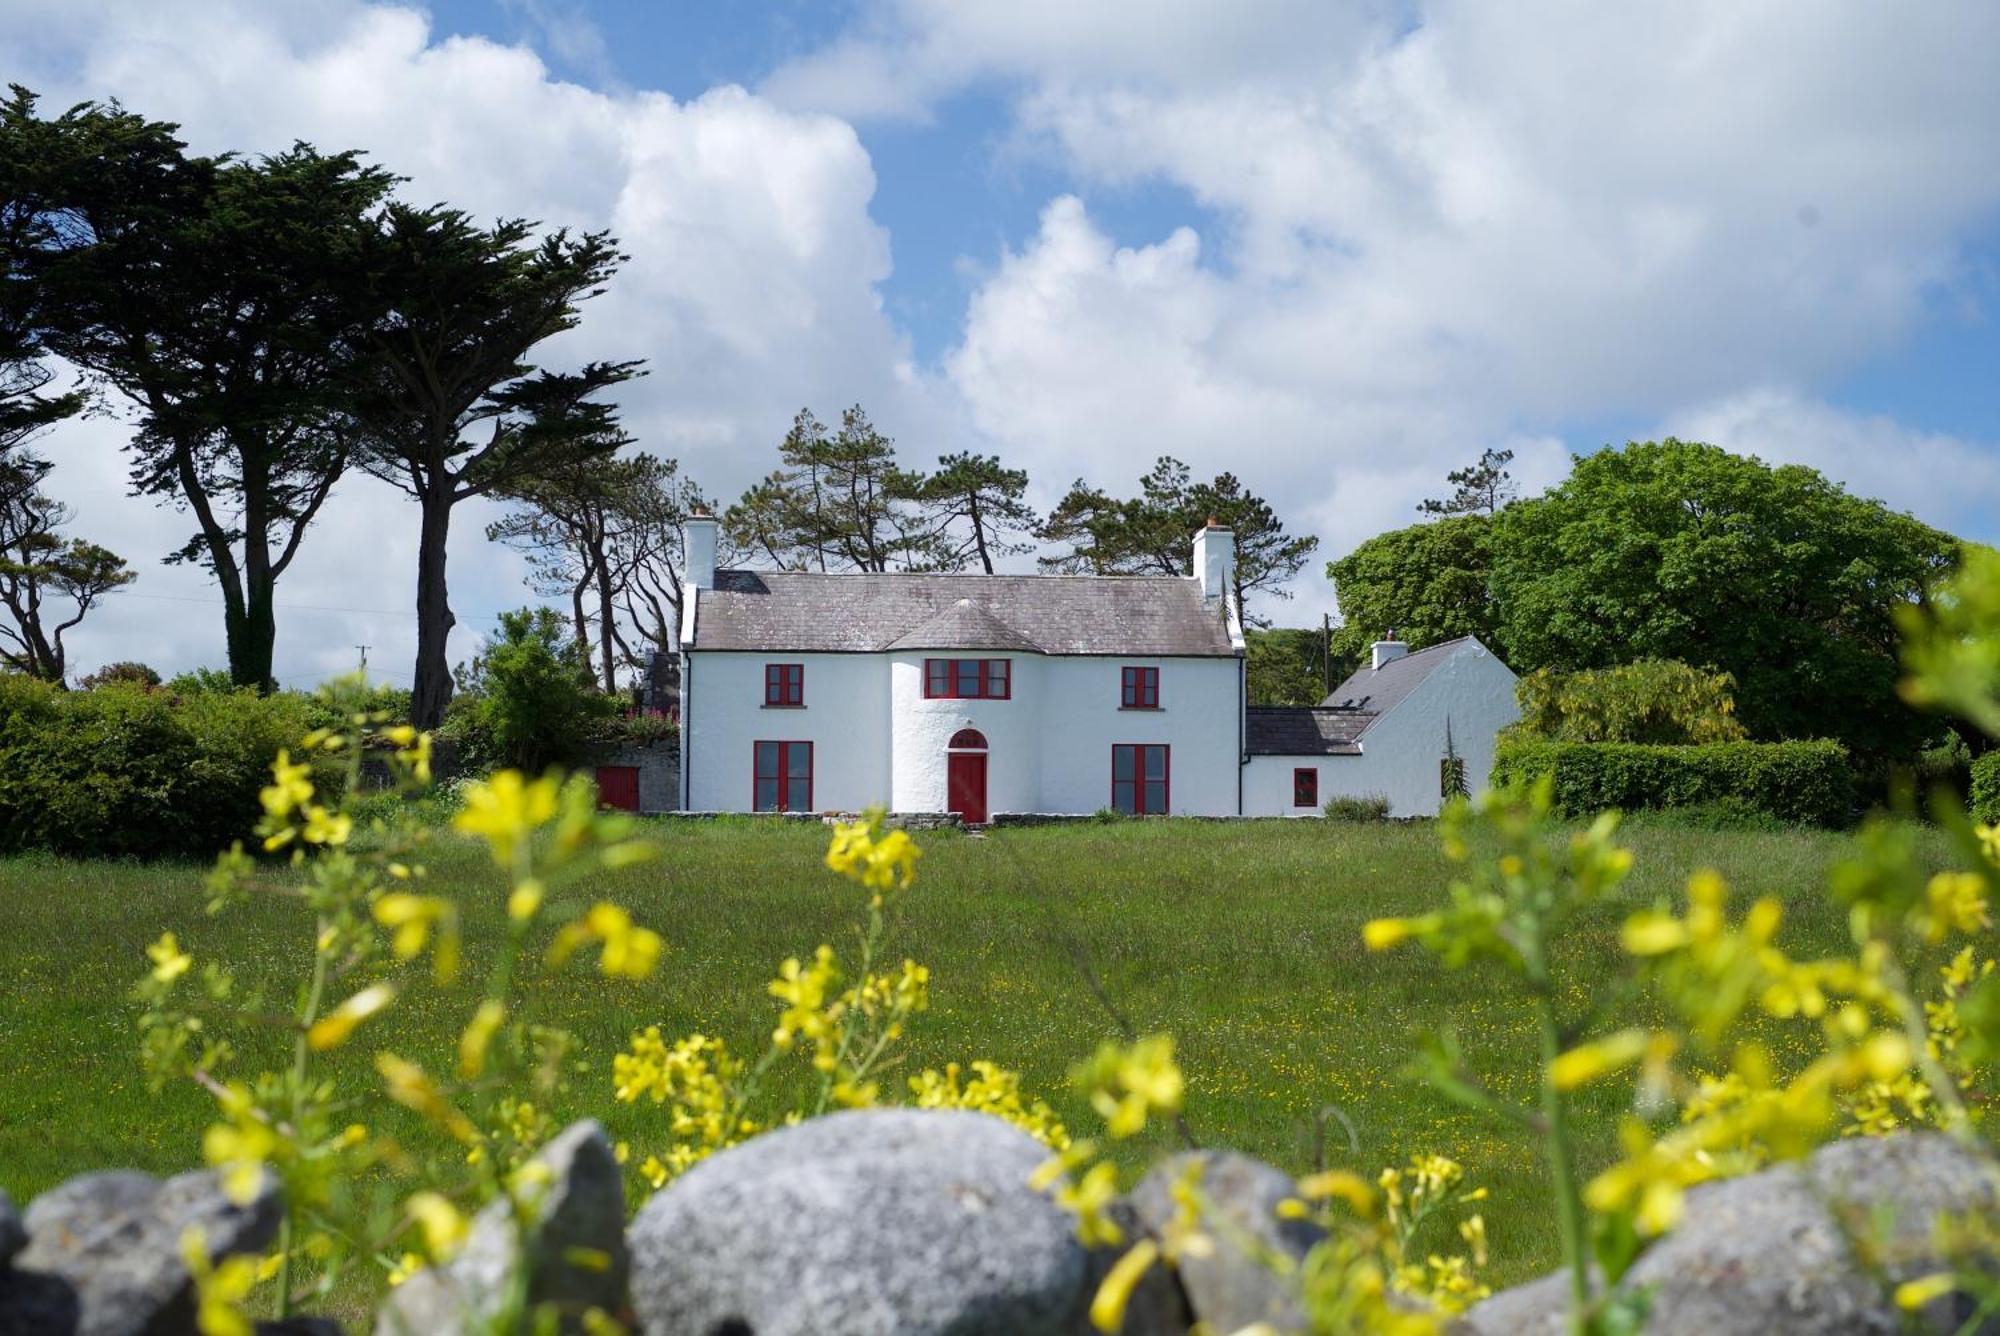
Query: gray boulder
[572,1251]
[1776,1251]
[103,1256]
[879,1222]
[1230,1289]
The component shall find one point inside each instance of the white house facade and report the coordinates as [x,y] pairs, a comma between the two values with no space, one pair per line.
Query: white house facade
[988,694]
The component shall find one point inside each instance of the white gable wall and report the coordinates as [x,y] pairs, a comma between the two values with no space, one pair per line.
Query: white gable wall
[1401,751]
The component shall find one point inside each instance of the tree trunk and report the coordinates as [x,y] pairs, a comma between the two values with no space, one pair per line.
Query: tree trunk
[979,533]
[430,684]
[605,631]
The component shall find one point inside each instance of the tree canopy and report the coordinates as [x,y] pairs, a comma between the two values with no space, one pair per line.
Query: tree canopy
[1776,576]
[447,403]
[48,583]
[1427,583]
[1153,532]
[1480,488]
[1649,700]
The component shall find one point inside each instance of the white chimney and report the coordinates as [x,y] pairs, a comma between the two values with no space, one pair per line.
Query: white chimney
[1389,650]
[1214,559]
[698,551]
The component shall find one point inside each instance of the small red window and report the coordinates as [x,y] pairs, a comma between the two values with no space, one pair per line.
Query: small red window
[784,778]
[1139,778]
[1305,787]
[784,684]
[968,679]
[1139,689]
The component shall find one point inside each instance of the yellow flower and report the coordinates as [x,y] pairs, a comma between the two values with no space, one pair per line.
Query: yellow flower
[1127,1085]
[291,786]
[630,952]
[1653,933]
[169,961]
[1383,933]
[1956,903]
[1600,1057]
[478,1037]
[241,1147]
[880,860]
[410,1087]
[507,809]
[1914,1294]
[443,1226]
[524,900]
[327,827]
[333,1029]
[219,1290]
[411,916]
[1107,1309]
[1339,1183]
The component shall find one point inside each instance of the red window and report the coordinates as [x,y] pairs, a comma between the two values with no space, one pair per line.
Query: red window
[967,679]
[1139,689]
[784,777]
[1139,778]
[784,684]
[1305,787]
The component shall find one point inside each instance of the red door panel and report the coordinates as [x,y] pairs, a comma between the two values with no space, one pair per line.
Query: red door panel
[966,773]
[618,786]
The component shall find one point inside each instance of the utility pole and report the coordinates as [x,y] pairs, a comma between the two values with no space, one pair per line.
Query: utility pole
[364,657]
[1326,654]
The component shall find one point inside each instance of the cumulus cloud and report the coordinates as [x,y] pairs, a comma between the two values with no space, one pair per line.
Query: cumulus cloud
[751,289]
[1449,225]
[1943,480]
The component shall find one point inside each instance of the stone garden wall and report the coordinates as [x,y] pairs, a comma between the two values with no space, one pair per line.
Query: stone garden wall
[892,1221]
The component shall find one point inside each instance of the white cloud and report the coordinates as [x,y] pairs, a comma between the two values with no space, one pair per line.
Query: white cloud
[751,288]
[1943,480]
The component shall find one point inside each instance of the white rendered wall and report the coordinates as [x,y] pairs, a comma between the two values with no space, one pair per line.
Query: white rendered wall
[1401,751]
[845,717]
[1049,746]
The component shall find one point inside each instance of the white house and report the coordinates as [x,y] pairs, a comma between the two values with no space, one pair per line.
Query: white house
[981,694]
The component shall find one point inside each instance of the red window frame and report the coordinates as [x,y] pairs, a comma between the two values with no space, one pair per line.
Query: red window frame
[1137,798]
[784,783]
[968,679]
[1139,689]
[1305,786]
[785,684]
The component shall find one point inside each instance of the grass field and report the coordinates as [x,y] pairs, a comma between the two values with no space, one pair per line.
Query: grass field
[1241,940]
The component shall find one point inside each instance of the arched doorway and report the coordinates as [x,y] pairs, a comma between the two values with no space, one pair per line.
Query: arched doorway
[965,775]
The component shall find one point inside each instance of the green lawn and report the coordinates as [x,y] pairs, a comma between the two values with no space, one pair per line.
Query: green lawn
[1241,940]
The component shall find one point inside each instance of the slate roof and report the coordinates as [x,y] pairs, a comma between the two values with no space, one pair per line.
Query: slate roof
[815,613]
[964,625]
[1304,730]
[1379,690]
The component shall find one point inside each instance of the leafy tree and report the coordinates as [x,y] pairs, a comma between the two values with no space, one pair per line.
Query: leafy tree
[1776,576]
[976,510]
[1153,532]
[218,297]
[448,406]
[37,564]
[26,231]
[608,529]
[838,501]
[1480,488]
[1427,583]
[127,672]
[1284,666]
[530,698]
[1650,700]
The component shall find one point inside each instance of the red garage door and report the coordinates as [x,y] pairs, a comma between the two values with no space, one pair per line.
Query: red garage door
[618,786]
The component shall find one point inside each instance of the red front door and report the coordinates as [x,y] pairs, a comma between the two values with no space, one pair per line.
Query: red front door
[966,772]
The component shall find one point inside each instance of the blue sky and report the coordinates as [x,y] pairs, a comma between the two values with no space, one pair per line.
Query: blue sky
[1337,249]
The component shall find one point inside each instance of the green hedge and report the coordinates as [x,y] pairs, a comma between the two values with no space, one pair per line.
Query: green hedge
[1806,782]
[1986,788]
[127,772]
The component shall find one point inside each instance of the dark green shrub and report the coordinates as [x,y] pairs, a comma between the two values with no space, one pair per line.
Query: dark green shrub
[637,730]
[1649,700]
[126,772]
[1986,788]
[1367,807]
[1803,782]
[531,700]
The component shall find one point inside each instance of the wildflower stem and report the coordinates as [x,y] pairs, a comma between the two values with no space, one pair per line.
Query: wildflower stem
[301,1054]
[1562,1166]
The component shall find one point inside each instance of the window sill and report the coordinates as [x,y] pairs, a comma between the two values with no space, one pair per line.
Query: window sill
[768,706]
[1142,709]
